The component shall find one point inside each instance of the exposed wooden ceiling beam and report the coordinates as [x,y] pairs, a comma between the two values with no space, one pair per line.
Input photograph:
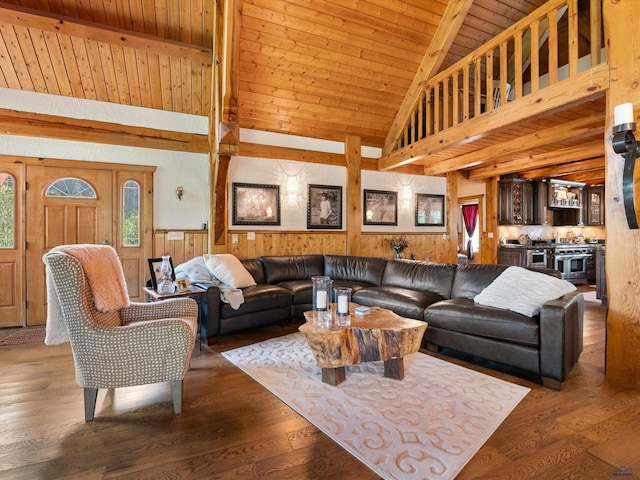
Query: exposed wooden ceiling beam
[583,86]
[593,177]
[73,27]
[573,130]
[63,128]
[570,154]
[438,48]
[565,169]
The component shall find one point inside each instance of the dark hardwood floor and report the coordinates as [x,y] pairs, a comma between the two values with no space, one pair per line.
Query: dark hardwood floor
[231,427]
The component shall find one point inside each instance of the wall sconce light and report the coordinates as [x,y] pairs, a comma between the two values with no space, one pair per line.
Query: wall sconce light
[179,192]
[406,195]
[624,143]
[292,188]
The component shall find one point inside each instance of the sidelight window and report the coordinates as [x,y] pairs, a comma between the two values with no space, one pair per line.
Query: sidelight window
[7,210]
[131,214]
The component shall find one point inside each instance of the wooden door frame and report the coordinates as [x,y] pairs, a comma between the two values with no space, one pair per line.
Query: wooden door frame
[146,190]
[469,200]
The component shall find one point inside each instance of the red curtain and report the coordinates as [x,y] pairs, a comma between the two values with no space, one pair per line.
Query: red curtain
[470,217]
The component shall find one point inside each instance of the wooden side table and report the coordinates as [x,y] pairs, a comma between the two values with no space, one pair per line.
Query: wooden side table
[195,292]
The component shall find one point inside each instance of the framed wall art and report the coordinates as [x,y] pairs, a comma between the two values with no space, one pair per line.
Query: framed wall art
[255,204]
[324,207]
[429,210]
[380,207]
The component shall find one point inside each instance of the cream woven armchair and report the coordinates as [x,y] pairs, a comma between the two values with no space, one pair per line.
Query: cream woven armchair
[139,344]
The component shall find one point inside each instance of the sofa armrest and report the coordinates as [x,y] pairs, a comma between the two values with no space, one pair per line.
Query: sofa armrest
[561,335]
[210,321]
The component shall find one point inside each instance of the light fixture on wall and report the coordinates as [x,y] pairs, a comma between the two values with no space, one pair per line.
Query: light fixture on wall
[406,195]
[624,143]
[292,188]
[179,192]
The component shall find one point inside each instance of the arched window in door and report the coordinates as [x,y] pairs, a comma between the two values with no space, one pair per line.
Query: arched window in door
[7,210]
[131,214]
[70,187]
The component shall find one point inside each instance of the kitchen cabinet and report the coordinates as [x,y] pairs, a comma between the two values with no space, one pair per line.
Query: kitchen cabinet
[591,265]
[594,206]
[512,256]
[601,279]
[516,202]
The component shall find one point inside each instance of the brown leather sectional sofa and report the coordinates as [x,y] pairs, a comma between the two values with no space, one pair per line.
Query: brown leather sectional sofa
[547,345]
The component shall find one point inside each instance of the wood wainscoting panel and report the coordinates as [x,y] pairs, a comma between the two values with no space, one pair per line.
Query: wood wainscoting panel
[429,246]
[193,244]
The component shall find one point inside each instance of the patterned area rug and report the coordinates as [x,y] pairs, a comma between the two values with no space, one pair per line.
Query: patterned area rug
[427,425]
[26,335]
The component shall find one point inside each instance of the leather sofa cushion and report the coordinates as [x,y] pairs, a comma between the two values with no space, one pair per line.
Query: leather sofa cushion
[259,298]
[302,290]
[431,277]
[291,267]
[465,316]
[254,267]
[470,279]
[404,302]
[359,269]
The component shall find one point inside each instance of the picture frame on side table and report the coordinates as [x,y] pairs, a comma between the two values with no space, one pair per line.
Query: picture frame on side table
[380,207]
[255,204]
[429,210]
[154,271]
[324,207]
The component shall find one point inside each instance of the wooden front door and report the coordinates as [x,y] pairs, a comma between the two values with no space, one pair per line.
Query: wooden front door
[11,246]
[64,206]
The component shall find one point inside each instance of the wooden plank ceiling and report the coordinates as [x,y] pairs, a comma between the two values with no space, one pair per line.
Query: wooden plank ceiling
[321,69]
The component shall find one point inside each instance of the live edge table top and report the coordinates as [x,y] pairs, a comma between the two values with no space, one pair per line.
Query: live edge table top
[378,335]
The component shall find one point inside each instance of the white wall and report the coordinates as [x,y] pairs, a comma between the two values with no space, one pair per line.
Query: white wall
[294,214]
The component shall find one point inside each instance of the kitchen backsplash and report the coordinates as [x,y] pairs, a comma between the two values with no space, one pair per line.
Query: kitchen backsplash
[541,232]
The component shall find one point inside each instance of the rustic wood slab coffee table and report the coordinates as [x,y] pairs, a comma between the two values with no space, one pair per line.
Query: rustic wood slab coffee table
[378,335]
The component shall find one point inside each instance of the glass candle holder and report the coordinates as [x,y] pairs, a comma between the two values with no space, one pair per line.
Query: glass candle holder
[166,285]
[342,299]
[321,301]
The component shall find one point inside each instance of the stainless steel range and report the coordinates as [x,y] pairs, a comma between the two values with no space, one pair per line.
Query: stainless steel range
[571,260]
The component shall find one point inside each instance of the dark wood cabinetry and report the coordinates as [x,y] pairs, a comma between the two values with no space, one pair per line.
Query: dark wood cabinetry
[516,202]
[594,206]
[512,256]
[601,279]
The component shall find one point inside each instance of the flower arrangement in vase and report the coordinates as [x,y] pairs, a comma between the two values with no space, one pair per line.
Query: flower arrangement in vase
[399,244]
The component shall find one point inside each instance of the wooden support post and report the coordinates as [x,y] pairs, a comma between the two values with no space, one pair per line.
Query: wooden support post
[622,357]
[354,201]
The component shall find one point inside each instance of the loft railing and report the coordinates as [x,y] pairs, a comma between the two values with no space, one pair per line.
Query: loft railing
[558,40]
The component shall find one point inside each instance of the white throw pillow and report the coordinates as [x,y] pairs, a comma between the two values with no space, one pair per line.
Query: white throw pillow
[523,291]
[229,270]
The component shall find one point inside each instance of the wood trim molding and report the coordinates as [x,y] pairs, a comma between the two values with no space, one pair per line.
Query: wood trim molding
[30,124]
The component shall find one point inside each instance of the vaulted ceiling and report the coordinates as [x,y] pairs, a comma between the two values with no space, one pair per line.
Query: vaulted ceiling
[321,69]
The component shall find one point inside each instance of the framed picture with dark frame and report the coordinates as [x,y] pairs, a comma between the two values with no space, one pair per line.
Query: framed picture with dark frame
[154,271]
[380,207]
[429,210]
[255,204]
[324,207]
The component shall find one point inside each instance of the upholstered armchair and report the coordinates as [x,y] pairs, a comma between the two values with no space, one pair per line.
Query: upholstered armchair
[131,344]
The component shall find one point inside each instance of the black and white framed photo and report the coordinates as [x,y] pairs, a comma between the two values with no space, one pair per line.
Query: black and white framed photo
[324,207]
[255,204]
[380,207]
[156,274]
[429,210]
